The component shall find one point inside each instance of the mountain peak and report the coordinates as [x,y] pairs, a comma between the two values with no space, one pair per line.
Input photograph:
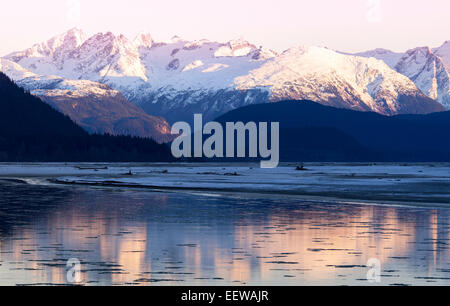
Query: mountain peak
[71,39]
[381,50]
[175,39]
[106,40]
[143,40]
[378,52]
[58,46]
[75,31]
[446,44]
[391,58]
[444,53]
[311,50]
[422,50]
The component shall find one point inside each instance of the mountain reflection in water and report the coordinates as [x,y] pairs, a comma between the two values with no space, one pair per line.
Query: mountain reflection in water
[147,238]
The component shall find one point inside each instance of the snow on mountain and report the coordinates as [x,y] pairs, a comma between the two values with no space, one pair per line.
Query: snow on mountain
[389,57]
[143,40]
[94,106]
[197,80]
[14,70]
[444,53]
[52,53]
[428,69]
[104,58]
[200,64]
[179,77]
[51,84]
[320,74]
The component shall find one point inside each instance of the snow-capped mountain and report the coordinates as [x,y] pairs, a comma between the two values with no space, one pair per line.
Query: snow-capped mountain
[177,78]
[94,106]
[444,53]
[428,68]
[320,74]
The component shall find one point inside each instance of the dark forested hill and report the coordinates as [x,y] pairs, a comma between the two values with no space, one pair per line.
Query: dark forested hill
[310,131]
[31,130]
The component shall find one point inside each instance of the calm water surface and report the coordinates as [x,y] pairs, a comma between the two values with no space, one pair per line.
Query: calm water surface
[136,237]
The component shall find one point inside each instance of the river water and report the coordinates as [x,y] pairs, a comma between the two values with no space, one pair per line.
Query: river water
[134,236]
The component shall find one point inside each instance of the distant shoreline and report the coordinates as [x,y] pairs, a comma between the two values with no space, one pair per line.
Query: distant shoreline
[398,184]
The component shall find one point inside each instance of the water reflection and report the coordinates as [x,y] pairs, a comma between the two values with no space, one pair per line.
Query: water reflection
[144,238]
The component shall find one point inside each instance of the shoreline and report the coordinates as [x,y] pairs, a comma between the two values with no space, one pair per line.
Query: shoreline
[424,185]
[243,193]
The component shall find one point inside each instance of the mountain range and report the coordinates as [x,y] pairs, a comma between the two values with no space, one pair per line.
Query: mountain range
[428,68]
[31,130]
[111,84]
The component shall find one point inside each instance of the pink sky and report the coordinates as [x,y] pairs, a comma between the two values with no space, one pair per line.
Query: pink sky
[346,25]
